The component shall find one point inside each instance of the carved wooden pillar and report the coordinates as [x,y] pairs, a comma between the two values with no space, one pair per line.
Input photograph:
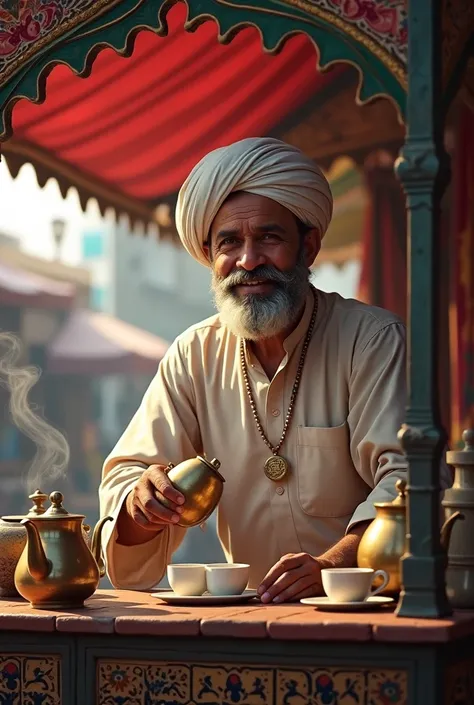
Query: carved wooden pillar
[421,167]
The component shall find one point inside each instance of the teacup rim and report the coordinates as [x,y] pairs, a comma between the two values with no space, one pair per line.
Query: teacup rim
[186,565]
[220,566]
[347,570]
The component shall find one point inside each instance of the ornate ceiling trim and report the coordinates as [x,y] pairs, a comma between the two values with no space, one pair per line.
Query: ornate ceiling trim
[44,34]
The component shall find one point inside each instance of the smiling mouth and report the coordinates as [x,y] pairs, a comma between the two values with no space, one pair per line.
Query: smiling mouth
[256,282]
[258,286]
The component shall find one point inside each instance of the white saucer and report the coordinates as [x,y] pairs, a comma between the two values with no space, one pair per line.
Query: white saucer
[324,603]
[172,598]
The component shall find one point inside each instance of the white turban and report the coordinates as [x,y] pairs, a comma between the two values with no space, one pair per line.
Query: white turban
[261,165]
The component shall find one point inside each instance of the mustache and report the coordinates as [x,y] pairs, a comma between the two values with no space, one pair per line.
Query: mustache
[261,273]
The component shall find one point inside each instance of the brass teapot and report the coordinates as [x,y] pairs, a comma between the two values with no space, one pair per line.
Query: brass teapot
[201,484]
[384,542]
[57,569]
[12,543]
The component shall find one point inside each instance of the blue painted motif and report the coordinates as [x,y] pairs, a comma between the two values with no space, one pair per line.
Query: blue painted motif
[160,683]
[30,680]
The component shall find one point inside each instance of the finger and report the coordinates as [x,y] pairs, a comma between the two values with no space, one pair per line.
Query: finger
[284,582]
[163,484]
[315,590]
[165,502]
[163,516]
[304,586]
[154,511]
[139,518]
[285,564]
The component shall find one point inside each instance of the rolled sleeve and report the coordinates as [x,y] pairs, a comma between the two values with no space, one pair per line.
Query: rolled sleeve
[163,430]
[377,401]
[138,567]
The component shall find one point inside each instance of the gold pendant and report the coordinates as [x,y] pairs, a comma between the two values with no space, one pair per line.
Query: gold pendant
[276,468]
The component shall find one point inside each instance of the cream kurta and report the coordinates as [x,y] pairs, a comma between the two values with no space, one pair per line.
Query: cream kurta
[341,443]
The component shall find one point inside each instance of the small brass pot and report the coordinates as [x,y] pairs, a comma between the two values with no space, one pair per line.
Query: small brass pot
[12,543]
[201,484]
[384,542]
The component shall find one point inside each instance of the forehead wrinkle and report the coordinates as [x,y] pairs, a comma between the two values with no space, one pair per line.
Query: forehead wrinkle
[257,222]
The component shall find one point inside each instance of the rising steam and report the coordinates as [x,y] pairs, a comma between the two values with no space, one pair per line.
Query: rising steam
[52,450]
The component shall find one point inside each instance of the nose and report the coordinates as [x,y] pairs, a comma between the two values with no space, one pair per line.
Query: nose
[250,256]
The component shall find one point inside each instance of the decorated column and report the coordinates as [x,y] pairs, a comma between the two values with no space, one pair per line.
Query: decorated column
[421,168]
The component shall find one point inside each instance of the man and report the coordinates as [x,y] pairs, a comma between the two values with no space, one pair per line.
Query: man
[300,394]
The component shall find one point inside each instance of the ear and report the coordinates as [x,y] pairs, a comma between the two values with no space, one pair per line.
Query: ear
[312,245]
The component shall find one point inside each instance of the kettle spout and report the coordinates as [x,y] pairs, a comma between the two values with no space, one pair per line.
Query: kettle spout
[447,528]
[39,567]
[96,544]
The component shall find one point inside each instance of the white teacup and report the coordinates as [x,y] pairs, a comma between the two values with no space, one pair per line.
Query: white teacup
[351,584]
[187,578]
[227,578]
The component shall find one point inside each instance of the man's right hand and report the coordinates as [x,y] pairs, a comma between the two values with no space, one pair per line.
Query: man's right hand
[143,512]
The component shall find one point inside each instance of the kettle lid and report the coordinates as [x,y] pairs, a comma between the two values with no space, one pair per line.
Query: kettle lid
[38,512]
[214,464]
[465,456]
[56,510]
[399,502]
[38,498]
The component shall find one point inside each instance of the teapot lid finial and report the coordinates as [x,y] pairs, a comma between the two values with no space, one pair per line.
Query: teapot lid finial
[401,487]
[400,501]
[468,438]
[463,457]
[56,507]
[38,498]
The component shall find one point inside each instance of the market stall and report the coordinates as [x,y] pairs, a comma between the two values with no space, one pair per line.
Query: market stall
[414,56]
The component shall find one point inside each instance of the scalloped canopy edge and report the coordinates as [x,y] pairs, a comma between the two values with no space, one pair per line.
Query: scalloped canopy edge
[118,27]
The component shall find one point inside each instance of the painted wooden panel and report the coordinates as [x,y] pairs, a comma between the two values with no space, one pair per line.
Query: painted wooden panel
[30,680]
[121,682]
[460,683]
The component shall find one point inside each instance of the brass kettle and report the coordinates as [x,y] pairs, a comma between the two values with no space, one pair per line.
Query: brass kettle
[12,543]
[57,570]
[201,484]
[384,542]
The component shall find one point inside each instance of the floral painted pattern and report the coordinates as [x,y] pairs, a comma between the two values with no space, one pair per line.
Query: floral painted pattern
[383,21]
[26,24]
[30,680]
[160,683]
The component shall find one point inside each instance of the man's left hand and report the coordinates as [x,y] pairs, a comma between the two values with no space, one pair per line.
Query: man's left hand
[295,576]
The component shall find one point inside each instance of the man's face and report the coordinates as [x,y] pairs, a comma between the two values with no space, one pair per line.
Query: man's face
[260,262]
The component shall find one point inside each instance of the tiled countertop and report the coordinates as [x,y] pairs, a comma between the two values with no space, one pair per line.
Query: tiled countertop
[137,613]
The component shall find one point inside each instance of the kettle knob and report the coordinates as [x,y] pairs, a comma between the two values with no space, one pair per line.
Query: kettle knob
[468,438]
[38,498]
[56,499]
[401,487]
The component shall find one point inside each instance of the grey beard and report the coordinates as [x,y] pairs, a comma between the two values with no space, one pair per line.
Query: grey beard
[257,316]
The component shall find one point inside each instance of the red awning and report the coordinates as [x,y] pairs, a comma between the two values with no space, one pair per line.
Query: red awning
[139,125]
[21,288]
[93,343]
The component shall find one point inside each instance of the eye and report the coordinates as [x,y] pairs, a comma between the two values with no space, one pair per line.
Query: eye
[270,236]
[227,242]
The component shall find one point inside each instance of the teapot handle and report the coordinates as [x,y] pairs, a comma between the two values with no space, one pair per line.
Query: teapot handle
[96,545]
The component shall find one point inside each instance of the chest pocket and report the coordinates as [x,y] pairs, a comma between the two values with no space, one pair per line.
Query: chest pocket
[328,483]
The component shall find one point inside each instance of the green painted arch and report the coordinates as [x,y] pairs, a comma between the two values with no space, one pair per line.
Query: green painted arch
[275,20]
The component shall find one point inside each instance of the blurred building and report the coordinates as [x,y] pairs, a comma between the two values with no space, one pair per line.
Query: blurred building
[36,298]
